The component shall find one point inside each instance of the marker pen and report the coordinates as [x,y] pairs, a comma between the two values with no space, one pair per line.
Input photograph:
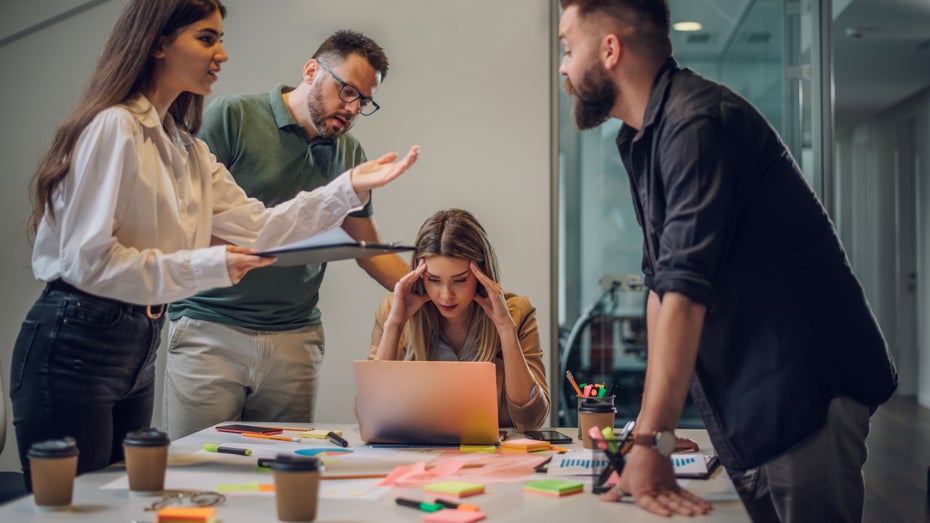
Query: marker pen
[337,439]
[213,447]
[422,505]
[458,506]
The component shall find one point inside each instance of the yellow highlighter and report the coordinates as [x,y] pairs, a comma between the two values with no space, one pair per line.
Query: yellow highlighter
[608,433]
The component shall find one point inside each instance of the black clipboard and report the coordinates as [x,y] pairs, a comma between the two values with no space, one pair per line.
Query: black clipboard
[334,244]
[289,256]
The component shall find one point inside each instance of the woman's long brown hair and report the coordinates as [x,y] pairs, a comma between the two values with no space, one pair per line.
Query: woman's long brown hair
[453,233]
[125,67]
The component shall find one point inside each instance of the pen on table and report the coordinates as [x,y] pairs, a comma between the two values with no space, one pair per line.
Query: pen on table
[213,447]
[571,380]
[458,506]
[337,439]
[422,505]
[269,436]
[265,463]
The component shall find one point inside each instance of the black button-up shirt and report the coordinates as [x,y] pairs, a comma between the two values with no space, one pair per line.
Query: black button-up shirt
[729,221]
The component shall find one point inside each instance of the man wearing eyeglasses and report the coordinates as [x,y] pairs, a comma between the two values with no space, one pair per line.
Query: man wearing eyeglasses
[254,351]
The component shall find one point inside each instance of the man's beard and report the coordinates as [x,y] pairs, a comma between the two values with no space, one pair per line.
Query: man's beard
[595,97]
[318,118]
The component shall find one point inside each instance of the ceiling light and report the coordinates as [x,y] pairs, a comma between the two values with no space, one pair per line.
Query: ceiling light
[686,27]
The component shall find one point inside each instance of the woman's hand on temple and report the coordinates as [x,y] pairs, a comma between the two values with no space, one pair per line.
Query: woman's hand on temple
[406,302]
[241,260]
[376,173]
[494,304]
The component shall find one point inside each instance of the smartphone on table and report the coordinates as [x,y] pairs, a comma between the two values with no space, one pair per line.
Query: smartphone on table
[552,436]
[240,428]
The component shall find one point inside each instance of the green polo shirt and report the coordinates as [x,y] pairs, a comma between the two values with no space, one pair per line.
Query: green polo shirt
[270,157]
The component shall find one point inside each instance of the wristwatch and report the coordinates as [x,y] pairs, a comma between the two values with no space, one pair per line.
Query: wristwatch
[663,442]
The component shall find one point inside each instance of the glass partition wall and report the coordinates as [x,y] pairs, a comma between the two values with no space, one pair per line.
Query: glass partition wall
[761,49]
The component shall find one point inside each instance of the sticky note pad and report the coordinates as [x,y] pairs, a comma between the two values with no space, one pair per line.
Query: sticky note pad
[456,488]
[525,445]
[553,487]
[453,516]
[186,514]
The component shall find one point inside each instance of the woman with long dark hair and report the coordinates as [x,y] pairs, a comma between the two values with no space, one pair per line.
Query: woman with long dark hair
[126,206]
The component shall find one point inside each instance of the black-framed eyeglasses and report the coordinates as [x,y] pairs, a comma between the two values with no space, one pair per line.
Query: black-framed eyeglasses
[187,497]
[348,94]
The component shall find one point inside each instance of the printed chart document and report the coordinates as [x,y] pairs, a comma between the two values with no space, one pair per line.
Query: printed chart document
[331,245]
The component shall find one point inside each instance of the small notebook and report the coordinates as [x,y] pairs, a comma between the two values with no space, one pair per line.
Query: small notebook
[426,402]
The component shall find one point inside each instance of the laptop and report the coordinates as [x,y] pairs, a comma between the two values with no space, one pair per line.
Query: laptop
[426,402]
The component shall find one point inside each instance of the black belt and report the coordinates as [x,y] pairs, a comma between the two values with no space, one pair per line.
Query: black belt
[152,311]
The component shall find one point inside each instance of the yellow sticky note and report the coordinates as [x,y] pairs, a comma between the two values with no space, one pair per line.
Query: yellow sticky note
[491,449]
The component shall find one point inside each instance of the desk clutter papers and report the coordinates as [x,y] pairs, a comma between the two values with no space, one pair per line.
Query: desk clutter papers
[471,467]
[694,465]
[690,465]
[553,487]
[576,463]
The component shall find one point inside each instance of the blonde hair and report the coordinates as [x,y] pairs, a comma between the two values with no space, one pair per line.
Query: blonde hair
[452,233]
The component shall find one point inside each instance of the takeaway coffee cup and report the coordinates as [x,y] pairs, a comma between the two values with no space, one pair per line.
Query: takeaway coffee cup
[53,465]
[594,412]
[296,486]
[146,452]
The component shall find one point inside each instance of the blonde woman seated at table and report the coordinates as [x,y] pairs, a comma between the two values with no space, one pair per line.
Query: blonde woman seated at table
[451,308]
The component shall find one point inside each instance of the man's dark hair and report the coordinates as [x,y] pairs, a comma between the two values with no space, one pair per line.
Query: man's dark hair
[642,25]
[346,42]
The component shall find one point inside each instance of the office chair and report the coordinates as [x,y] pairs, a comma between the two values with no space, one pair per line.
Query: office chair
[11,483]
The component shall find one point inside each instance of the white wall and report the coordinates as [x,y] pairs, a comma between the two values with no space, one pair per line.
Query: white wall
[868,173]
[469,82]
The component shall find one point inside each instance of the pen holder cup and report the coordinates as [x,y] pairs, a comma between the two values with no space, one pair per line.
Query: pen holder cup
[605,458]
[594,412]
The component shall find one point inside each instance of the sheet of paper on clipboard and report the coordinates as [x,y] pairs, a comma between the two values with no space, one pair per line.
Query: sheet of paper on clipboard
[331,245]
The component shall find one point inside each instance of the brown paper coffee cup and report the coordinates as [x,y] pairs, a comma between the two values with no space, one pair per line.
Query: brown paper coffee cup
[296,486]
[146,453]
[53,465]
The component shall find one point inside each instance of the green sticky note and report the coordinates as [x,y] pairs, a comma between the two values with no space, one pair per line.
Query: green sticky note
[226,488]
[553,487]
[456,488]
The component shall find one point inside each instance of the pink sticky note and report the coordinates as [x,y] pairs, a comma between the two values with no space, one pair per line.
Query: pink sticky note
[451,515]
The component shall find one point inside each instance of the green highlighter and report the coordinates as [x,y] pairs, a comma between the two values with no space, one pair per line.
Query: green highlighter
[422,505]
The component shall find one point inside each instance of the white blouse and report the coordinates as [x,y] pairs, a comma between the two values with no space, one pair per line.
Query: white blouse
[135,215]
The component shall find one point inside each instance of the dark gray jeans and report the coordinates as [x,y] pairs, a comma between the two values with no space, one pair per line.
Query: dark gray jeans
[83,366]
[819,481]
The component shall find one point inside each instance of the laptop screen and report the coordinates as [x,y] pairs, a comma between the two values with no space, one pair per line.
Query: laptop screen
[426,402]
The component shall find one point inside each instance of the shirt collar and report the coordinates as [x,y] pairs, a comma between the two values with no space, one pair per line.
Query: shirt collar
[145,112]
[283,117]
[657,97]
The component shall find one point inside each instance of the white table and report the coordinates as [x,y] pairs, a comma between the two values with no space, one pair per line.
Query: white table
[500,502]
